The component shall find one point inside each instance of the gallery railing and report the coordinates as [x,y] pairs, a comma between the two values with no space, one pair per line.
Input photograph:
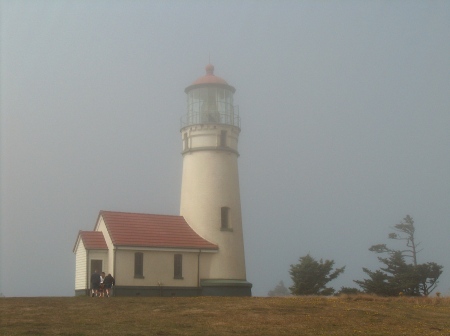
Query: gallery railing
[212,117]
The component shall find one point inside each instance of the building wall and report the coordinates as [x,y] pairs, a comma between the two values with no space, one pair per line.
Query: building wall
[205,265]
[102,227]
[80,266]
[158,269]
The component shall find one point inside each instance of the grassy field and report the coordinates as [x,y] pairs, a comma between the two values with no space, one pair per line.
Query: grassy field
[358,315]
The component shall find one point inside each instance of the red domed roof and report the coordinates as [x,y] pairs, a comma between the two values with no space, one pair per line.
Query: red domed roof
[210,78]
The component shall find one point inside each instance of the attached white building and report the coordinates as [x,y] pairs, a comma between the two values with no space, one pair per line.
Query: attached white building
[147,254]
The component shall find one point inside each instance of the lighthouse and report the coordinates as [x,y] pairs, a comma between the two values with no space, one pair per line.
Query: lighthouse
[199,252]
[210,195]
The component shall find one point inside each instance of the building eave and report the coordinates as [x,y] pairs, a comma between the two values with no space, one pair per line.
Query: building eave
[165,249]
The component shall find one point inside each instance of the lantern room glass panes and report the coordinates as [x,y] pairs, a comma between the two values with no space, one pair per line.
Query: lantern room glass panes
[211,105]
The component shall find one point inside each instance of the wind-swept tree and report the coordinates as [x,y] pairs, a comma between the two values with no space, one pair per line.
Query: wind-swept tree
[310,276]
[398,276]
[406,231]
[427,276]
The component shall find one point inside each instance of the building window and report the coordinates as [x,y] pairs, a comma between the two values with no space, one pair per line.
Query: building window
[139,265]
[224,218]
[223,138]
[178,266]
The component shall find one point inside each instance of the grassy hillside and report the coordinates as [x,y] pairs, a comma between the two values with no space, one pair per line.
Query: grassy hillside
[360,315]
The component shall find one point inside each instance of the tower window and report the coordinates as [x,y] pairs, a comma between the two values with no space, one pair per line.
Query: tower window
[223,138]
[224,218]
[178,266]
[139,265]
[185,142]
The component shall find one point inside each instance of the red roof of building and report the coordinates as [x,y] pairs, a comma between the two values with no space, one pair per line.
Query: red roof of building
[148,230]
[210,78]
[93,240]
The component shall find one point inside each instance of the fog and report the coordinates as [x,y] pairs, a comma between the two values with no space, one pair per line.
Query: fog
[345,126]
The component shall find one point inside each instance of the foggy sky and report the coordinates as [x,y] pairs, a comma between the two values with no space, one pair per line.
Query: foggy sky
[345,110]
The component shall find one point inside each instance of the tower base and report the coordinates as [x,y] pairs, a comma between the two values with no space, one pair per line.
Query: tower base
[226,287]
[209,287]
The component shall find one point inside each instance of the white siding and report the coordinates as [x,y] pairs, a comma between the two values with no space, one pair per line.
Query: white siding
[109,268]
[80,266]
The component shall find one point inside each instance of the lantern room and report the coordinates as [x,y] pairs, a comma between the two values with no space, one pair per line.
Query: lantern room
[210,101]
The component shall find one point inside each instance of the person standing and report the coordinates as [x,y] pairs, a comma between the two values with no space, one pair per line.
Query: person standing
[95,283]
[108,282]
[101,290]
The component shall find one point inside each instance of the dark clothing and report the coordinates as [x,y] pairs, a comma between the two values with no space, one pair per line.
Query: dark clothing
[109,281]
[95,281]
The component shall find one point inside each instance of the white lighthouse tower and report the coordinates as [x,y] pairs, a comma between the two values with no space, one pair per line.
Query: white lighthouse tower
[210,197]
